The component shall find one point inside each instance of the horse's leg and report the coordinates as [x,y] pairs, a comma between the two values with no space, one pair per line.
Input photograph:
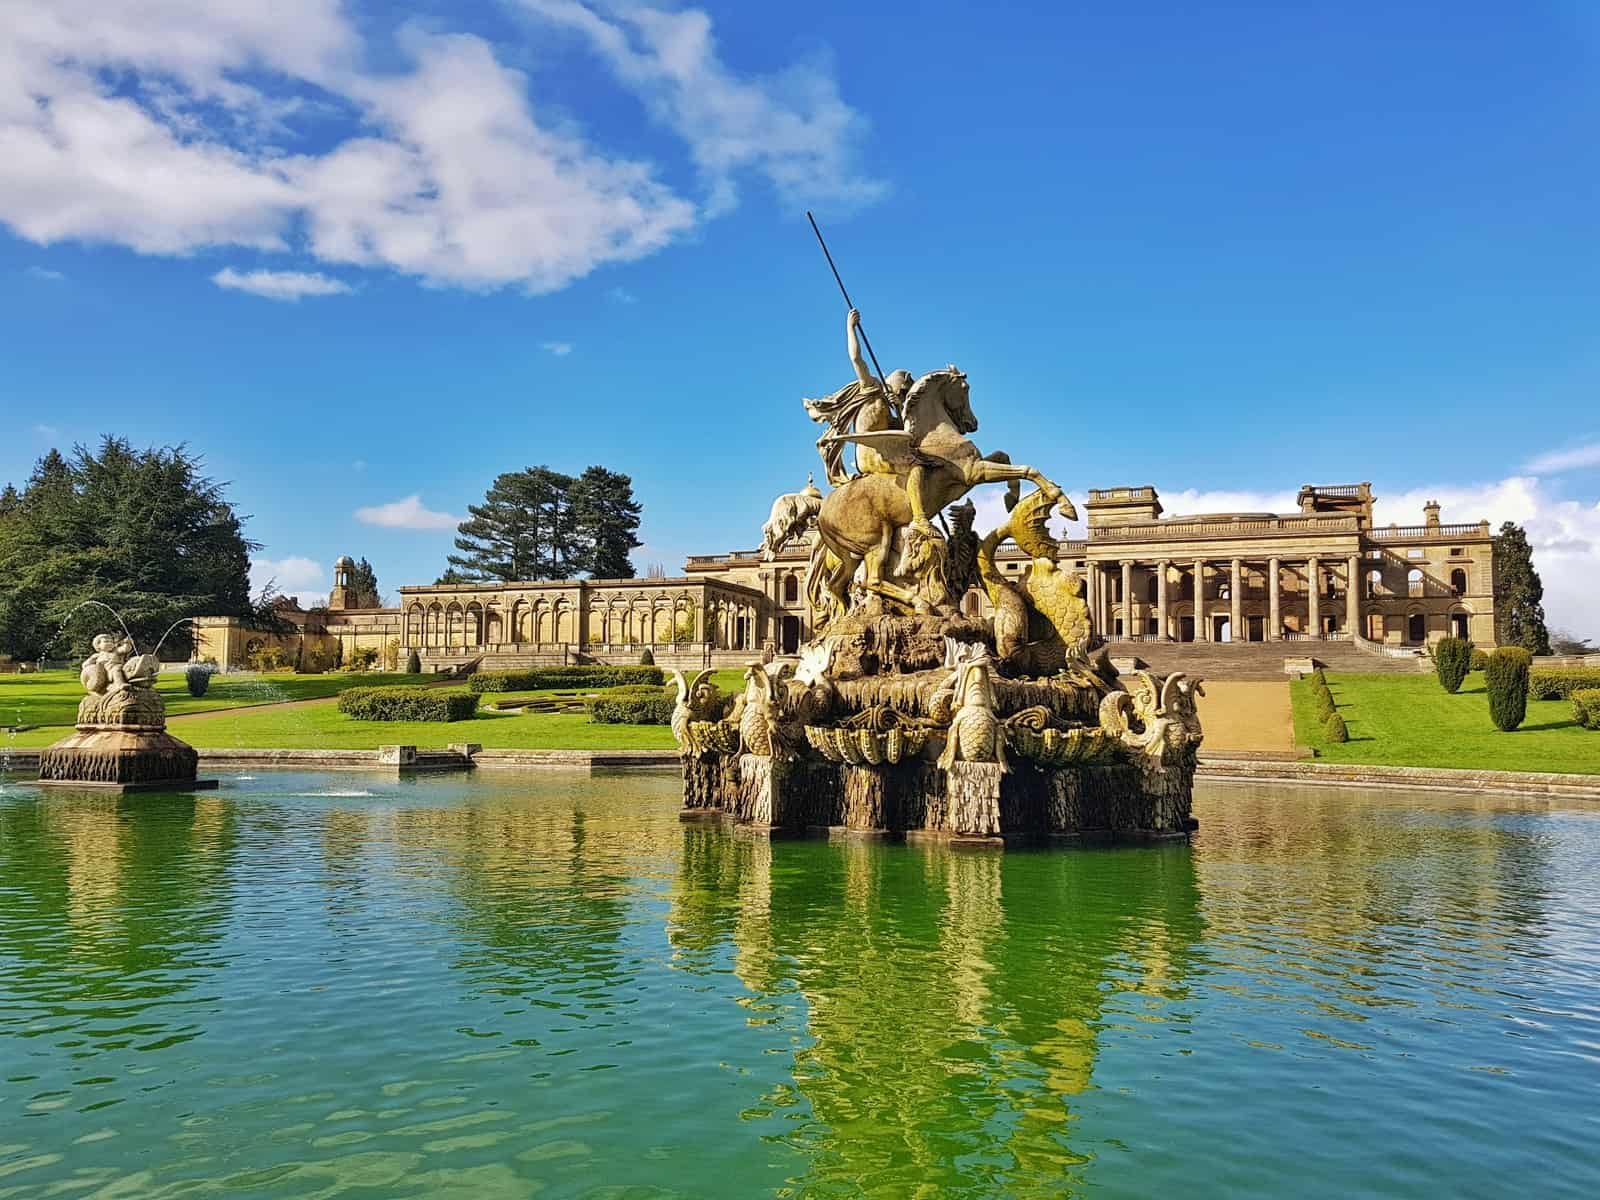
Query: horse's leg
[1014,488]
[988,470]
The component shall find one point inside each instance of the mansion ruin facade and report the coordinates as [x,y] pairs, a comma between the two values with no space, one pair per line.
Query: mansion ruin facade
[1323,573]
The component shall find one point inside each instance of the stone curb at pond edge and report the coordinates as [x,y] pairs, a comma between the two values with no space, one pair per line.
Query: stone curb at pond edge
[1236,768]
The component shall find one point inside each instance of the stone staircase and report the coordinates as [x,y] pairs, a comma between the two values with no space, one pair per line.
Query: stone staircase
[1261,660]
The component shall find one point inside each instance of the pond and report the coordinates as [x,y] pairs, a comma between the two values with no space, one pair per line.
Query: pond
[317,985]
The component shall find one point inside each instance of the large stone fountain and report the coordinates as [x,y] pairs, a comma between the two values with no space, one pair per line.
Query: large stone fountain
[121,743]
[906,716]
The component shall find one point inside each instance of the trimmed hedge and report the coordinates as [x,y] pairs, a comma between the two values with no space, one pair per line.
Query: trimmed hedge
[1586,707]
[648,658]
[406,704]
[1506,679]
[413,663]
[1558,683]
[631,710]
[1334,728]
[1452,659]
[1322,698]
[1480,659]
[540,678]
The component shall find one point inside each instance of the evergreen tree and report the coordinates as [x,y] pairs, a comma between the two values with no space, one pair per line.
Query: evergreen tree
[362,591]
[142,531]
[1518,593]
[498,539]
[606,519]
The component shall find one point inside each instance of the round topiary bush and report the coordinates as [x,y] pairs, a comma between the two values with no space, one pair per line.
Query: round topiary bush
[198,678]
[1506,679]
[1586,707]
[1480,659]
[1333,728]
[1452,659]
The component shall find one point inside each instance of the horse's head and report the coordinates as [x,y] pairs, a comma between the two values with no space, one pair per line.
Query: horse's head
[947,390]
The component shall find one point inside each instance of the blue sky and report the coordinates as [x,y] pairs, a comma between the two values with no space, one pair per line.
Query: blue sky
[364,258]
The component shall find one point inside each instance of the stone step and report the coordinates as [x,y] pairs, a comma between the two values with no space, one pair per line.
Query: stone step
[1259,660]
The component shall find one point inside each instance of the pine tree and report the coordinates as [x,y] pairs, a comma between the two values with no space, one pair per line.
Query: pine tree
[142,531]
[498,540]
[1518,593]
[362,591]
[606,517]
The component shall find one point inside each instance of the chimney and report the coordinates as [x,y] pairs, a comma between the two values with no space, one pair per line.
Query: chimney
[1430,515]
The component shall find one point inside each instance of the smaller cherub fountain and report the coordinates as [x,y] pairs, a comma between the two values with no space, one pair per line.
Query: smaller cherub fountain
[121,743]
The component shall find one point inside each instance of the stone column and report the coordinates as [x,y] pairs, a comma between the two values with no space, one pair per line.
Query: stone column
[1236,601]
[1313,597]
[1202,627]
[1161,598]
[1274,602]
[1127,598]
[1091,595]
[1352,599]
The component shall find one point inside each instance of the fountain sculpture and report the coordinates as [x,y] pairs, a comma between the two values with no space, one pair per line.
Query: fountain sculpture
[121,743]
[905,715]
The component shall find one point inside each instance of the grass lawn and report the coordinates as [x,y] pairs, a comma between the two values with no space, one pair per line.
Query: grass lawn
[1410,721]
[56,695]
[51,697]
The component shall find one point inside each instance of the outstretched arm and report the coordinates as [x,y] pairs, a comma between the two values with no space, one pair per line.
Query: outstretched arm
[853,344]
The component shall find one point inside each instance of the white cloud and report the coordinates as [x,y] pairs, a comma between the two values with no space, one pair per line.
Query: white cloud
[622,295]
[47,431]
[559,349]
[280,285]
[44,273]
[174,126]
[1571,459]
[407,513]
[791,127]
[295,576]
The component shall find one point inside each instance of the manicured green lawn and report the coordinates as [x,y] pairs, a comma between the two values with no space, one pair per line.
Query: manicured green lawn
[51,697]
[1410,721]
[325,727]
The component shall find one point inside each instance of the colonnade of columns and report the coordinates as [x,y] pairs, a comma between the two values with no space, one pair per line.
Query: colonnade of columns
[1109,603]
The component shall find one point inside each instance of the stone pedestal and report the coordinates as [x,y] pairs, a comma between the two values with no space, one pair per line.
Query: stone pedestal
[972,807]
[123,758]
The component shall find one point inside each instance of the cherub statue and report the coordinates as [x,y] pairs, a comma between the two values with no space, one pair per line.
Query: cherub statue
[105,671]
[863,406]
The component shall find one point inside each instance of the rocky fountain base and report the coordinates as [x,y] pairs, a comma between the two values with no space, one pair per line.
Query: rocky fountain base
[956,750]
[121,743]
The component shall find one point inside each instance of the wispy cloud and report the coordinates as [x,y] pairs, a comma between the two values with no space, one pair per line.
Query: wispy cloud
[280,285]
[622,295]
[406,513]
[559,349]
[443,169]
[45,273]
[294,575]
[1573,458]
[47,431]
[790,128]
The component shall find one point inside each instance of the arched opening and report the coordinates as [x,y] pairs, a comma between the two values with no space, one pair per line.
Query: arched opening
[1374,627]
[1186,590]
[791,590]
[1374,583]
[1458,581]
[1186,628]
[1221,629]
[1416,628]
[1414,582]
[1152,589]
[1459,624]
[791,633]
[970,602]
[416,620]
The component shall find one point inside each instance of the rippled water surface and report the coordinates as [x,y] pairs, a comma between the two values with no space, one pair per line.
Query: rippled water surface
[329,985]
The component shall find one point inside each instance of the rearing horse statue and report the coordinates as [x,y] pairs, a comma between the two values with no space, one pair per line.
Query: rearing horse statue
[883,519]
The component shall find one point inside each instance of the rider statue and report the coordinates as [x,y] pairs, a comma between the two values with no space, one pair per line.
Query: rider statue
[863,406]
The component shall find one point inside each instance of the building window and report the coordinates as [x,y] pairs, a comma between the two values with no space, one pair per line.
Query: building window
[1417,628]
[1458,581]
[1414,553]
[1151,590]
[1457,551]
[1152,626]
[791,590]
[1374,583]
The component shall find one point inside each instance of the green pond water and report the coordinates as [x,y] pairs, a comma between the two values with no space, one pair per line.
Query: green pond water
[311,985]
